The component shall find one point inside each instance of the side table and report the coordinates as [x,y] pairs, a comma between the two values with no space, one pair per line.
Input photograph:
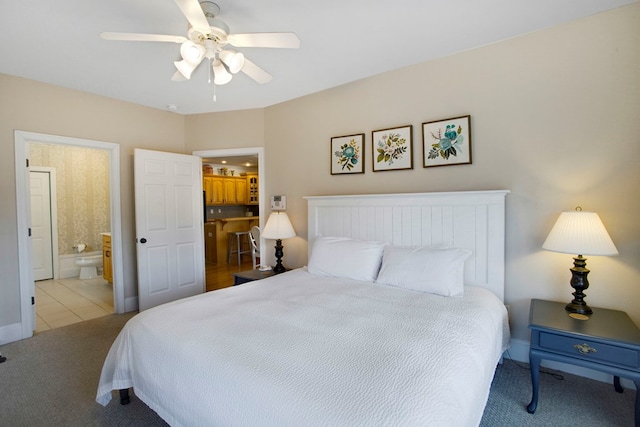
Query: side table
[250,275]
[606,341]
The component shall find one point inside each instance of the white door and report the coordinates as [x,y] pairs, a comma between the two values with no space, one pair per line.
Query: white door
[41,240]
[169,226]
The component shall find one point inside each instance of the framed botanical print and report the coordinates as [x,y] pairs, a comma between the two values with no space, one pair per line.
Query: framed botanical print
[447,142]
[392,148]
[347,154]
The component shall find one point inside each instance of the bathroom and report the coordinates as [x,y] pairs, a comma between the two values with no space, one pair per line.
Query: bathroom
[80,197]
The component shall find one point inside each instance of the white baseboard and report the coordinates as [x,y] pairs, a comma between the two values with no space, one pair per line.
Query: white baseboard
[130,304]
[519,351]
[10,333]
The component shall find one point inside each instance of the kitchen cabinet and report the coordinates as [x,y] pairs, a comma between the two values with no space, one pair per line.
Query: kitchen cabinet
[229,188]
[207,185]
[214,190]
[210,243]
[226,225]
[252,189]
[226,190]
[241,191]
[217,191]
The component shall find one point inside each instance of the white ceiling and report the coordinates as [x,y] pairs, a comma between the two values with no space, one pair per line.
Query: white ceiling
[58,42]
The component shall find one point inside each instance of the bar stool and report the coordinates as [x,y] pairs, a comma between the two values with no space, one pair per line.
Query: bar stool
[238,244]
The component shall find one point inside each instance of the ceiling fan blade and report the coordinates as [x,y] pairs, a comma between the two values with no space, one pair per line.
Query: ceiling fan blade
[134,37]
[277,40]
[192,10]
[255,72]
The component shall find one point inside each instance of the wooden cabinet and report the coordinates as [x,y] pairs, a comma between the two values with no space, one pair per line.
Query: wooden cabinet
[226,225]
[241,191]
[217,191]
[226,190]
[214,190]
[210,246]
[252,189]
[107,269]
[229,188]
[207,185]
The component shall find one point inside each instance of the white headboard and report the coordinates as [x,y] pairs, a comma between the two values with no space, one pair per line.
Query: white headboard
[468,219]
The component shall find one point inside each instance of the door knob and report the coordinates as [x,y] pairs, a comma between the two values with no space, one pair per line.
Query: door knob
[143,240]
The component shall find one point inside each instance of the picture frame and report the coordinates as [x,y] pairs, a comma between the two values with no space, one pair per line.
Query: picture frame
[447,142]
[347,154]
[392,148]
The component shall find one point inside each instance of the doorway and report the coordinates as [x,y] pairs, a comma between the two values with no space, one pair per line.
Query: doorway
[68,183]
[221,274]
[25,256]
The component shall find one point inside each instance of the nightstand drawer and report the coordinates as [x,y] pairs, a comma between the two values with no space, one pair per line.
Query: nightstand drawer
[594,351]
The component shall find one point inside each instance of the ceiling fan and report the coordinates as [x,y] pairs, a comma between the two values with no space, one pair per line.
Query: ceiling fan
[208,37]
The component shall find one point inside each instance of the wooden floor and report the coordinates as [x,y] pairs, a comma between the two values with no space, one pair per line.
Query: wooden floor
[221,275]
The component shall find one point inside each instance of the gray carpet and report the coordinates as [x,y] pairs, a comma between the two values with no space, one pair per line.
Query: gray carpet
[52,378]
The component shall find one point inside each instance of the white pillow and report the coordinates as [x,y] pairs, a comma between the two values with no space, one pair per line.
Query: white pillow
[424,269]
[344,257]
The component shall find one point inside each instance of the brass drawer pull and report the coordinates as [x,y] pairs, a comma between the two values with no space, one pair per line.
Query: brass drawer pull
[584,348]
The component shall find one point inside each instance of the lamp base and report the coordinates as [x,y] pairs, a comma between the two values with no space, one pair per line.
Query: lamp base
[279,268]
[580,283]
[578,308]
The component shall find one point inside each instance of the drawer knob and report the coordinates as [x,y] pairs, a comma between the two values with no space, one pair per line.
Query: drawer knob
[585,348]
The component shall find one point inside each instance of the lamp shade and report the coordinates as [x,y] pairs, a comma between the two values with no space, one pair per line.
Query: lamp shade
[191,52]
[579,232]
[233,60]
[221,75]
[278,227]
[185,68]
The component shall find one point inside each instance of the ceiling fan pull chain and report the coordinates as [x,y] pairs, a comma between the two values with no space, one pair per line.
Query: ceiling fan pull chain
[214,85]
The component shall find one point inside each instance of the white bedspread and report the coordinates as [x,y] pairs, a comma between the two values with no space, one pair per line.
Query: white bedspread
[299,349]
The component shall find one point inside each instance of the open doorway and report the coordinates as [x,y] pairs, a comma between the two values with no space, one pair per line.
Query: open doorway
[23,140]
[70,218]
[224,218]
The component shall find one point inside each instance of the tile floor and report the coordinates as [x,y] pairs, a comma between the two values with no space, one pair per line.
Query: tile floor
[66,301]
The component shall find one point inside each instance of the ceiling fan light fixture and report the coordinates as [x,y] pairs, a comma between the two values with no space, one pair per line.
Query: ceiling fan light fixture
[185,68]
[221,75]
[233,60]
[192,52]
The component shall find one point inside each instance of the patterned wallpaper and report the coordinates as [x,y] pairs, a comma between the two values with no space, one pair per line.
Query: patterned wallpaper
[82,187]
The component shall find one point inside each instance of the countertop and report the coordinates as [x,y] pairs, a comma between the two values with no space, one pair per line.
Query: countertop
[237,218]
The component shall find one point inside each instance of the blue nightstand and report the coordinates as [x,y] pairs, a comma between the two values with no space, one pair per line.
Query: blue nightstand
[250,275]
[606,340]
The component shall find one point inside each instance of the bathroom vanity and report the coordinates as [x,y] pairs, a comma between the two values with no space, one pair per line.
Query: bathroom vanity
[107,269]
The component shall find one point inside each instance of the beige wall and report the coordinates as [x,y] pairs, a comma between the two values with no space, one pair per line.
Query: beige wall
[35,107]
[554,120]
[236,129]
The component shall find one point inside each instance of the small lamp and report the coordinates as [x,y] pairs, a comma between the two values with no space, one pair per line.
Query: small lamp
[278,227]
[581,233]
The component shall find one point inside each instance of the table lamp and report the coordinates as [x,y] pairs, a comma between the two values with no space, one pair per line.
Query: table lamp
[582,233]
[278,227]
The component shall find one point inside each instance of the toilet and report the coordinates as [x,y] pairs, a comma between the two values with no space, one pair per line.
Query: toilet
[89,266]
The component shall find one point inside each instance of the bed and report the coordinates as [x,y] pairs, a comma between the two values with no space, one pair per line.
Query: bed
[398,319]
